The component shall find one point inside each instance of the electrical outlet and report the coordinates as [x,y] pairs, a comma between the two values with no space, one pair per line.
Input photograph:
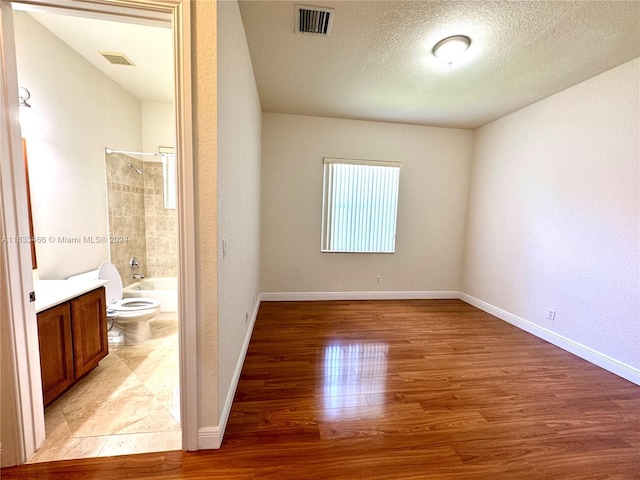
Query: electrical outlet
[551,315]
[378,279]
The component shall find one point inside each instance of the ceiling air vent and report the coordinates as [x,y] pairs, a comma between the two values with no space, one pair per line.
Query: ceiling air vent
[117,58]
[314,20]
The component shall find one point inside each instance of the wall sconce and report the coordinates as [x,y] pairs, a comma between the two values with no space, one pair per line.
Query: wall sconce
[451,49]
[29,117]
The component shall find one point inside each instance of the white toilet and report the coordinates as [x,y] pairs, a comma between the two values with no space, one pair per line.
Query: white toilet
[132,315]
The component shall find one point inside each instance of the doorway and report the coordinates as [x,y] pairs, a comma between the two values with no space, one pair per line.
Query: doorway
[30,432]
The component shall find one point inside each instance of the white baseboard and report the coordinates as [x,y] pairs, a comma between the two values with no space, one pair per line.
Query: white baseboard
[604,361]
[211,437]
[316,296]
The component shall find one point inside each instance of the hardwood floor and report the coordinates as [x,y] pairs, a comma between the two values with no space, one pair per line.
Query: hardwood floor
[429,389]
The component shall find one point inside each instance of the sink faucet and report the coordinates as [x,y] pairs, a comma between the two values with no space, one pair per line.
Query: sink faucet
[138,275]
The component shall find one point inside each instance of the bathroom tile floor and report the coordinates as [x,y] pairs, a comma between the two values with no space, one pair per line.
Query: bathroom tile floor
[128,404]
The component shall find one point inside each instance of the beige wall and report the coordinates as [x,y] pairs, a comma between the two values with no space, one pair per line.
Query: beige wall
[554,218]
[431,213]
[83,111]
[239,136]
[204,72]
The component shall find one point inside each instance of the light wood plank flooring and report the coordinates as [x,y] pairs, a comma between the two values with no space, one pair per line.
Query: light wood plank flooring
[429,389]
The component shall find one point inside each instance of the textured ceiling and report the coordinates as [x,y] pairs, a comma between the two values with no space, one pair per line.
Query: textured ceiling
[377,63]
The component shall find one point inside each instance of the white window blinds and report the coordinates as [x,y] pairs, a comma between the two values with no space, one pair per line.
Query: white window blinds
[360,200]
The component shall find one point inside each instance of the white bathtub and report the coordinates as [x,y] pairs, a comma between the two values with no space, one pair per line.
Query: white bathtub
[164,289]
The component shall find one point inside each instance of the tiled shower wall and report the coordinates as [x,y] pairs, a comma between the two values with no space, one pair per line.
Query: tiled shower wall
[139,225]
[161,225]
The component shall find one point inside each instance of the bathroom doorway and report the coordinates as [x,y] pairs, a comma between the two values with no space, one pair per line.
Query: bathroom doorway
[164,11]
[130,403]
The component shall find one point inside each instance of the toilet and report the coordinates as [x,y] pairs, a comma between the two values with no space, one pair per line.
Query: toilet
[132,315]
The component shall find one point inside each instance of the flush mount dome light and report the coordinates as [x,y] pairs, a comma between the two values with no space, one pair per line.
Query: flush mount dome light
[450,49]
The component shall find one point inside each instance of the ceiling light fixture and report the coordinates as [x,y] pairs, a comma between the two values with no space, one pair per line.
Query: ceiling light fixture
[29,117]
[451,49]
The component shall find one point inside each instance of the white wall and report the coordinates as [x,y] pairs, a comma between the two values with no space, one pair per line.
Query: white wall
[83,112]
[554,214]
[431,213]
[239,138]
[158,126]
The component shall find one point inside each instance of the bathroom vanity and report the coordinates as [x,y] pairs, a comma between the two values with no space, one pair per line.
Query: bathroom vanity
[72,332]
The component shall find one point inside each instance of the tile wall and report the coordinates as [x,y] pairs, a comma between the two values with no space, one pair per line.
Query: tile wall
[139,225]
[160,225]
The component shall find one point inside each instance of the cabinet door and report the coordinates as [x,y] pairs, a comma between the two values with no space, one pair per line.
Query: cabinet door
[89,323]
[56,351]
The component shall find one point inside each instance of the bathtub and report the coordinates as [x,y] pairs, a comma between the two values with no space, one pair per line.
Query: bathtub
[164,289]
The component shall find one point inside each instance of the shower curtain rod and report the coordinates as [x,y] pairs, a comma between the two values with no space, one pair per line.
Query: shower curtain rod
[110,150]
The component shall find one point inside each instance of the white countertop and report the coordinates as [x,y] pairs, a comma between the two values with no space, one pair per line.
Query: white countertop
[50,293]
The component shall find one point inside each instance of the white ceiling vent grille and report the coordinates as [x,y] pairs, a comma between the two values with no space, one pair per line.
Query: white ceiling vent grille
[117,58]
[314,20]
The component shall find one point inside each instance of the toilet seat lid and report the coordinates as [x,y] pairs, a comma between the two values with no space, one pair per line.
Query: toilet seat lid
[108,271]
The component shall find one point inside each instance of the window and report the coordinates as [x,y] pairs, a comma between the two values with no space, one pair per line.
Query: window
[169,180]
[359,205]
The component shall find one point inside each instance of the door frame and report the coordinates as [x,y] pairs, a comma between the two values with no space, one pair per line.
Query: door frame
[20,356]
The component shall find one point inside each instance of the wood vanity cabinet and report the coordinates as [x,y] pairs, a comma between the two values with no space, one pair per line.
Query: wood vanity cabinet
[73,339]
[56,351]
[89,327]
